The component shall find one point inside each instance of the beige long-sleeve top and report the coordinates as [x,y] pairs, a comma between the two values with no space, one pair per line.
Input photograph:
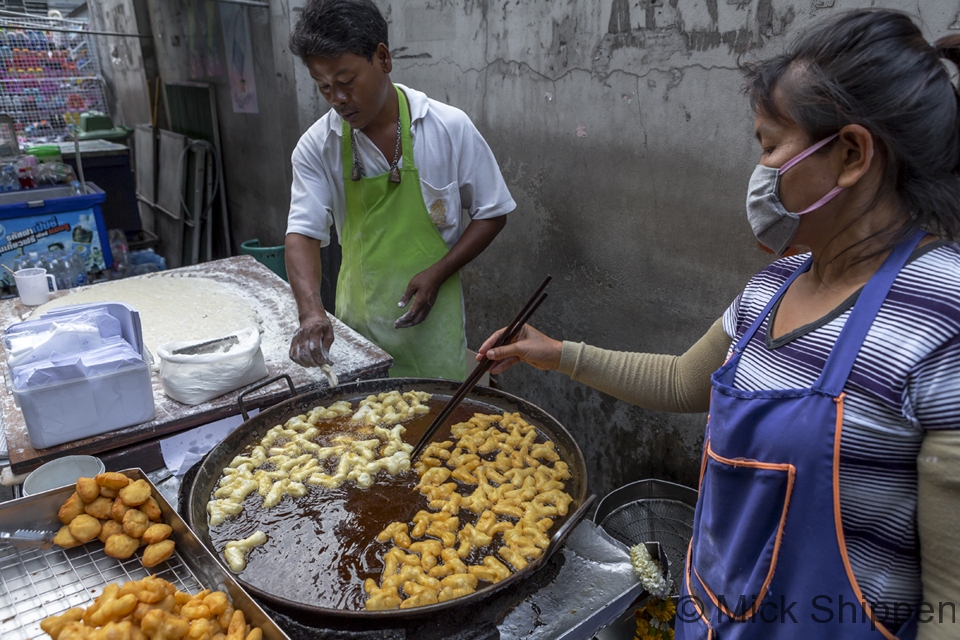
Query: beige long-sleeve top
[682,384]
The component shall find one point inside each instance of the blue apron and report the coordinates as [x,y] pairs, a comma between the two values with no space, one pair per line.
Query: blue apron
[768,560]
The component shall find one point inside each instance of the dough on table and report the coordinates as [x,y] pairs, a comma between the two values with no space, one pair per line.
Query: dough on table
[172,307]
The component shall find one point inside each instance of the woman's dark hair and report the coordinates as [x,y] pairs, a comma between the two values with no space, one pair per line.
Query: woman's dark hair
[331,28]
[874,68]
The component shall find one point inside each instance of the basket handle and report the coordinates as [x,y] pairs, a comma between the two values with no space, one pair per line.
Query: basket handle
[282,376]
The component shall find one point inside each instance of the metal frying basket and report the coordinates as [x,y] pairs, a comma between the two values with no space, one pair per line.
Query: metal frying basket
[651,511]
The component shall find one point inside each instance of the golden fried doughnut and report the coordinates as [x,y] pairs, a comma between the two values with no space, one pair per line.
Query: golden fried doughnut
[156,533]
[156,553]
[217,602]
[477,501]
[159,624]
[53,625]
[64,539]
[460,581]
[136,493]
[557,498]
[135,523]
[444,530]
[425,597]
[470,538]
[380,599]
[202,629]
[504,509]
[397,532]
[429,551]
[452,564]
[99,508]
[448,593]
[112,480]
[236,551]
[84,528]
[71,508]
[236,628]
[109,528]
[88,489]
[121,546]
[516,560]
[118,509]
[492,570]
[152,508]
[109,607]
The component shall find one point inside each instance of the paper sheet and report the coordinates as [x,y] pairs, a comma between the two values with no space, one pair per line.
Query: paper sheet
[185,449]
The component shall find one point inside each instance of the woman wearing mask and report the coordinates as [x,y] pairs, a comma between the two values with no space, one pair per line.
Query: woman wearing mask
[829,501]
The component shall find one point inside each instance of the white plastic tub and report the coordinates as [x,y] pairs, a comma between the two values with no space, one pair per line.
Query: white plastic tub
[72,407]
[76,409]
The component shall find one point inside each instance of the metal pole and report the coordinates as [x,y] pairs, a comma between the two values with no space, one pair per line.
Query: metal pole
[37,16]
[4,23]
[248,3]
[76,150]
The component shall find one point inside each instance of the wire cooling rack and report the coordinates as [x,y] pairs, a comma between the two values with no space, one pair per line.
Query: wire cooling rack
[48,78]
[35,583]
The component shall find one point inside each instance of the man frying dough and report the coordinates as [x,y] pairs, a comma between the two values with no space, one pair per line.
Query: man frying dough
[392,169]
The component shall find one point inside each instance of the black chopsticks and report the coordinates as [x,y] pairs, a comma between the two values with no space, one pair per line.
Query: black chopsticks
[505,338]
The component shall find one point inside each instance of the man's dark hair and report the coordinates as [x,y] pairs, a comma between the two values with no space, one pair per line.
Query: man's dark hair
[331,28]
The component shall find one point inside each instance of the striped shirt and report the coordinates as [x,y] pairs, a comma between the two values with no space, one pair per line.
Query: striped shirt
[906,380]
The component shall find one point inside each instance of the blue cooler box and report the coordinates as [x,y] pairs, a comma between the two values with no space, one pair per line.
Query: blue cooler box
[53,218]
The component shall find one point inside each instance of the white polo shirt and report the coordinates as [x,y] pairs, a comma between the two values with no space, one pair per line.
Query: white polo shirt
[457,171]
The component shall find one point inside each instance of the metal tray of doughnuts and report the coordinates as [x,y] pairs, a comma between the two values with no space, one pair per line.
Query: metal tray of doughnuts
[36,583]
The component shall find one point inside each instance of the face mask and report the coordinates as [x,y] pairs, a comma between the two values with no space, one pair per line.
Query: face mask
[772,224]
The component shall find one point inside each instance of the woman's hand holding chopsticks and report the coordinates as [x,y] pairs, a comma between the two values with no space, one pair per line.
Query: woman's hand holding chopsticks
[530,346]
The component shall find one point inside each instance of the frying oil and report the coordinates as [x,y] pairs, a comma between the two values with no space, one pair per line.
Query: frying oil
[322,547]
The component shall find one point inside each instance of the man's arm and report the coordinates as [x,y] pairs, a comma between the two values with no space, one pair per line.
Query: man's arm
[310,346]
[424,286]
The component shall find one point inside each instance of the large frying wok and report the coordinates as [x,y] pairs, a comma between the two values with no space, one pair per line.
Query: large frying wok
[255,428]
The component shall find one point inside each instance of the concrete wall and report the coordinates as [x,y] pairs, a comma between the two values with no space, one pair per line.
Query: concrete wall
[256,146]
[625,139]
[121,60]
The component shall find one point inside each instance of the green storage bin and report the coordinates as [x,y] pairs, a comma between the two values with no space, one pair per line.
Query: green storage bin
[95,125]
[270,257]
[46,153]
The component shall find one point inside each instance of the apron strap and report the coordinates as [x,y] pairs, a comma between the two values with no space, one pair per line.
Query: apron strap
[837,369]
[748,335]
[406,140]
[346,149]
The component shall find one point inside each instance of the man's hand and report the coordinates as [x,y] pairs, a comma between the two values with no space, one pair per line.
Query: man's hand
[311,343]
[422,290]
[530,346]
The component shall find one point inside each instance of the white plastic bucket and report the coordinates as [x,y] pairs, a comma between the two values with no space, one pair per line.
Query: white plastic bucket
[61,472]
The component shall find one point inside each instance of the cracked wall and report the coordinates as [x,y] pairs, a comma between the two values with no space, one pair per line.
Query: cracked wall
[622,131]
[623,134]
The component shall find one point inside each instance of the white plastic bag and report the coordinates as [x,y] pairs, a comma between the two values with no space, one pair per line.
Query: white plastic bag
[196,378]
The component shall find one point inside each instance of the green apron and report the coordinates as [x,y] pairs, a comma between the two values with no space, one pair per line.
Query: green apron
[388,238]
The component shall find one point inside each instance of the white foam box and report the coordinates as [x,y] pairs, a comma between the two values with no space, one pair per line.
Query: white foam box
[75,409]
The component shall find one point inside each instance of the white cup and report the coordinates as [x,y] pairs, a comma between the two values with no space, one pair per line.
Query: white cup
[32,285]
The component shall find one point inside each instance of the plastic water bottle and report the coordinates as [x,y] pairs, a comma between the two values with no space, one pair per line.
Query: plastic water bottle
[8,179]
[79,268]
